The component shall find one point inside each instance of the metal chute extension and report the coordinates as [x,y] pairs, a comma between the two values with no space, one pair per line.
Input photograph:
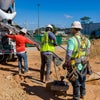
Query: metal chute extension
[17,28]
[58,60]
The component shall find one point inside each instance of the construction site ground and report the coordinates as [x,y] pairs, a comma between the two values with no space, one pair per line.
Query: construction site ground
[15,87]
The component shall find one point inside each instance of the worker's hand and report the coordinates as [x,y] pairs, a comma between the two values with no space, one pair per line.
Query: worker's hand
[37,46]
[62,78]
[67,64]
[64,66]
[55,44]
[10,32]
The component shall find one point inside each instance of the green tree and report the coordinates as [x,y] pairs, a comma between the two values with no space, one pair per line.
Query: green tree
[54,28]
[85,20]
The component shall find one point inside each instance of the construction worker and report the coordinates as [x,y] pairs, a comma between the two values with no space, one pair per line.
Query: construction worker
[47,47]
[78,50]
[21,40]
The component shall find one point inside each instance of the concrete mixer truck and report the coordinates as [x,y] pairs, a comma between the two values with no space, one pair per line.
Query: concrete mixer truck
[7,46]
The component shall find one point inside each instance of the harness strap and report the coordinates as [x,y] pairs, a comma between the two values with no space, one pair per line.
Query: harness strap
[81,73]
[79,45]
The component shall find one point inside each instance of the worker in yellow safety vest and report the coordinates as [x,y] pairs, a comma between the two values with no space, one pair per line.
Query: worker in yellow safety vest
[48,43]
[78,50]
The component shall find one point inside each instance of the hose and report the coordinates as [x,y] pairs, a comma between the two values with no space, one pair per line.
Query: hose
[62,47]
[96,73]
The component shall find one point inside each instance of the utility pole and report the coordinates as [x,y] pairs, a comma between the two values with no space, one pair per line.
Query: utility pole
[38,16]
[26,24]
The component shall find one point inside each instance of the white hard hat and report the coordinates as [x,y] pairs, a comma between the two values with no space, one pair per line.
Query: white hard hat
[50,26]
[23,30]
[76,24]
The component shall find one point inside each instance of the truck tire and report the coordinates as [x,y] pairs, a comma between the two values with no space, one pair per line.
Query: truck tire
[3,58]
[12,57]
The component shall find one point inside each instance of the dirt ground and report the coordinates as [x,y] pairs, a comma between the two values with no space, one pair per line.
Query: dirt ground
[15,87]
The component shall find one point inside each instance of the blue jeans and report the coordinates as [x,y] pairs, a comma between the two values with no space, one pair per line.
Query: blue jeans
[79,87]
[24,57]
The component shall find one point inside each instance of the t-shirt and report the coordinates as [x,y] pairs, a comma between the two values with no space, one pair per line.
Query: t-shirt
[20,42]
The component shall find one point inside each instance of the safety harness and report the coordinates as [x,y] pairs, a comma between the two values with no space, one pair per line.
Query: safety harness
[81,53]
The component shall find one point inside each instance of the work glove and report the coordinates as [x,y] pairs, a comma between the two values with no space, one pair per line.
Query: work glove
[62,78]
[55,44]
[37,46]
[67,65]
[64,66]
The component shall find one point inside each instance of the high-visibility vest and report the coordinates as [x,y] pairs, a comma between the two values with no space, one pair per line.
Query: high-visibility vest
[47,44]
[81,44]
[80,49]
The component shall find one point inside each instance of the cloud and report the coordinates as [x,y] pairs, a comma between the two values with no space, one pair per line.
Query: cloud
[68,16]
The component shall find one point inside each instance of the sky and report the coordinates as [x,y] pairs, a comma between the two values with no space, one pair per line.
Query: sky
[61,13]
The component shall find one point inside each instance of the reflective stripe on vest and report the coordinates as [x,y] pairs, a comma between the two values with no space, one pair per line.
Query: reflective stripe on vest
[47,44]
[80,47]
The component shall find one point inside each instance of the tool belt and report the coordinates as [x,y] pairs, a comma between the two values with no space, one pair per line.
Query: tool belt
[86,65]
[73,72]
[73,76]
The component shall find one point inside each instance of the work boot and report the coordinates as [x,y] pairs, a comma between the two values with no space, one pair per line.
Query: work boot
[19,72]
[27,72]
[47,79]
[41,77]
[41,80]
[82,97]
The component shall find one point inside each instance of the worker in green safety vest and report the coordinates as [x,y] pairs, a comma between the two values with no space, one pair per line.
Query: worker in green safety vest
[77,54]
[48,43]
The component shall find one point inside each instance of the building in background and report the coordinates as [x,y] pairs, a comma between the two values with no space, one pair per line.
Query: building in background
[91,29]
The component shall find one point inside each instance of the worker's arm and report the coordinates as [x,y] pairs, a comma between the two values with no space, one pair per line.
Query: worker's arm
[10,36]
[52,36]
[89,46]
[29,41]
[34,43]
[88,49]
[69,50]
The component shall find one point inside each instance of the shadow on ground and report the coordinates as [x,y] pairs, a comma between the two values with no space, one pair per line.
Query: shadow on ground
[41,92]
